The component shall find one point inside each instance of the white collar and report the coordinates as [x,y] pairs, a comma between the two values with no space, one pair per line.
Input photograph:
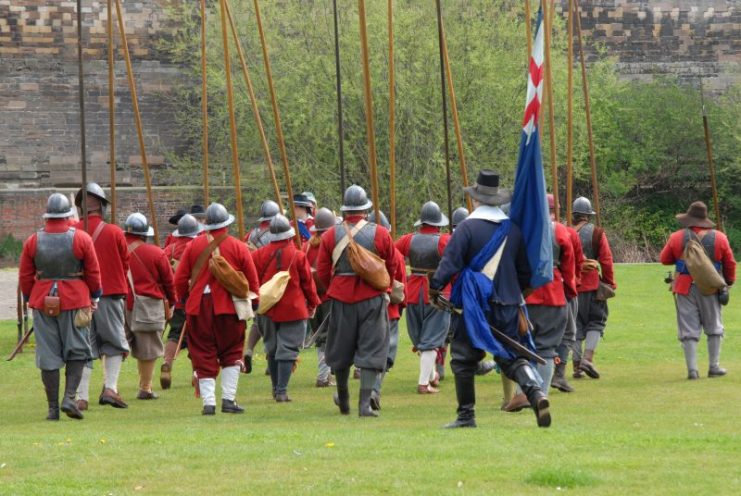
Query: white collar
[488,212]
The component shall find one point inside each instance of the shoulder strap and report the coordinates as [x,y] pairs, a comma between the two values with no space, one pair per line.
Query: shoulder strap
[270,260]
[203,256]
[349,234]
[98,230]
[132,251]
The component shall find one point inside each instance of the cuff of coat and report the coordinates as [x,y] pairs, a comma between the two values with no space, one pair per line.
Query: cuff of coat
[96,294]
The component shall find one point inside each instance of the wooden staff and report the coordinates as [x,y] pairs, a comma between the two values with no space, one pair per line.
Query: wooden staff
[338,77]
[588,114]
[392,122]
[255,109]
[204,102]
[456,120]
[368,108]
[551,116]
[232,121]
[81,91]
[276,117]
[111,112]
[443,95]
[570,114]
[711,164]
[528,31]
[137,118]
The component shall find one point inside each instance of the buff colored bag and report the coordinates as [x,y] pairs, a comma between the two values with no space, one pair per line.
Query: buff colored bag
[701,268]
[367,265]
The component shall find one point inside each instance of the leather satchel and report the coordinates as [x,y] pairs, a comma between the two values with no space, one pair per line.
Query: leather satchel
[234,281]
[52,306]
[367,265]
[604,292]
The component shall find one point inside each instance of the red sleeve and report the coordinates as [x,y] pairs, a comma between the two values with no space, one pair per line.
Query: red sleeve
[385,248]
[307,282]
[444,240]
[605,261]
[82,246]
[724,253]
[165,271]
[123,249]
[324,258]
[403,244]
[667,256]
[578,253]
[567,266]
[182,275]
[27,270]
[248,269]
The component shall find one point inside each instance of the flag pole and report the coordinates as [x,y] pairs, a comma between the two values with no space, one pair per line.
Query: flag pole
[338,77]
[443,94]
[551,118]
[232,121]
[528,30]
[456,119]
[392,123]
[276,116]
[711,164]
[111,112]
[81,90]
[255,109]
[570,114]
[588,114]
[204,103]
[137,118]
[370,132]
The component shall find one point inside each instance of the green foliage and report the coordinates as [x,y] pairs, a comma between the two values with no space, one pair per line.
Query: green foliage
[10,248]
[648,137]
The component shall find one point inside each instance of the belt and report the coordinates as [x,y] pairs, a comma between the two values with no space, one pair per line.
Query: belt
[75,275]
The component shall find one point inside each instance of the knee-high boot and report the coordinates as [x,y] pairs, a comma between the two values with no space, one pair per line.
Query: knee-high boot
[72,376]
[526,378]
[284,371]
[342,396]
[50,378]
[465,392]
[367,381]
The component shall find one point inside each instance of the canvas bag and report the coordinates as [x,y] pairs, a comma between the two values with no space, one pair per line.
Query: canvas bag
[147,314]
[272,291]
[700,266]
[367,265]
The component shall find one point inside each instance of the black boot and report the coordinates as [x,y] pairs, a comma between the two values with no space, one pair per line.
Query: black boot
[367,381]
[284,375]
[342,396]
[229,406]
[524,375]
[50,378]
[465,392]
[559,379]
[72,376]
[273,373]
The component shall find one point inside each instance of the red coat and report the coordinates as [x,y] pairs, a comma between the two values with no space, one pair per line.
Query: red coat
[415,283]
[400,274]
[590,279]
[352,289]
[151,272]
[571,292]
[235,252]
[553,294]
[300,298]
[169,240]
[674,250]
[311,248]
[73,293]
[113,256]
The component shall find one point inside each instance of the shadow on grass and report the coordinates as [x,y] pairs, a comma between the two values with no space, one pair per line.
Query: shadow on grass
[561,478]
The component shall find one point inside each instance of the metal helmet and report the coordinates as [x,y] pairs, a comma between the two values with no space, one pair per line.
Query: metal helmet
[280,228]
[459,215]
[217,217]
[310,196]
[137,224]
[384,220]
[188,227]
[582,206]
[58,207]
[355,200]
[95,190]
[268,210]
[323,220]
[431,215]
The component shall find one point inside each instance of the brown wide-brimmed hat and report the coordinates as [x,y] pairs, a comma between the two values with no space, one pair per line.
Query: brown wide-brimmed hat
[696,216]
[487,190]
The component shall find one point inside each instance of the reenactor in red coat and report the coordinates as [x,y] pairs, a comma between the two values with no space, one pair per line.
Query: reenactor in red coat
[188,229]
[427,325]
[697,311]
[151,295]
[215,331]
[304,212]
[107,333]
[597,268]
[358,324]
[60,278]
[284,326]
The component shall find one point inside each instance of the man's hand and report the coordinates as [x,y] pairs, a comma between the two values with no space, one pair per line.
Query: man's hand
[94,304]
[312,314]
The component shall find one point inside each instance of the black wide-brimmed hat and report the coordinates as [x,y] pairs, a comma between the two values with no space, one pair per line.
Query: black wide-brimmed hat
[486,189]
[696,216]
[176,218]
[198,212]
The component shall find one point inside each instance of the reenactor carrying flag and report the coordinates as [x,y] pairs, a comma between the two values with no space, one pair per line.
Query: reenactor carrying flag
[60,278]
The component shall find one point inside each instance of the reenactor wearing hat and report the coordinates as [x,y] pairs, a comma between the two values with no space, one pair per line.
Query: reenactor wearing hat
[488,234]
[215,332]
[596,269]
[427,325]
[284,324]
[60,278]
[324,219]
[358,323]
[188,229]
[151,293]
[173,221]
[303,212]
[198,212]
[697,311]
[107,333]
[546,307]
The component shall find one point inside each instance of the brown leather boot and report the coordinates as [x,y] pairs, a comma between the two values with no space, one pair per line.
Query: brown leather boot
[578,374]
[517,403]
[427,389]
[587,366]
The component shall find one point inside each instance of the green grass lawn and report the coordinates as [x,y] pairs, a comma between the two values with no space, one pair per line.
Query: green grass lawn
[641,429]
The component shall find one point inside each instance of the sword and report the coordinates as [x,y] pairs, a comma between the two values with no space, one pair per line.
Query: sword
[20,344]
[312,339]
[444,304]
